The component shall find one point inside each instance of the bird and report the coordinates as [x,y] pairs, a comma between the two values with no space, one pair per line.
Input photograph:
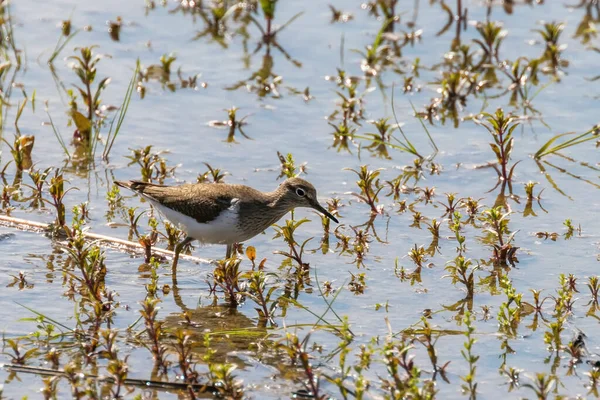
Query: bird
[221,213]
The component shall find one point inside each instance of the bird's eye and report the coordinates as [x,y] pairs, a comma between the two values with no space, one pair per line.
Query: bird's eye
[300,192]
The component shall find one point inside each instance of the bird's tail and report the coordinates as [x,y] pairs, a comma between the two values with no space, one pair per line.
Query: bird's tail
[137,186]
[125,184]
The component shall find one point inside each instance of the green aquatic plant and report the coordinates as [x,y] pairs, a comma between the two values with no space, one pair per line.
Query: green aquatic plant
[418,256]
[154,330]
[428,337]
[571,229]
[295,250]
[553,51]
[523,74]
[8,44]
[152,165]
[351,103]
[434,228]
[509,314]
[268,8]
[20,281]
[342,136]
[228,277]
[214,15]
[213,175]
[299,354]
[358,283]
[114,201]
[594,286]
[455,87]
[174,236]
[224,381]
[85,67]
[57,197]
[471,206]
[529,186]
[548,148]
[19,354]
[382,139]
[541,385]
[91,262]
[586,30]
[594,382]
[152,286]
[496,224]
[120,116]
[404,377]
[288,166]
[339,15]
[38,180]
[57,134]
[21,150]
[370,186]
[470,386]
[8,191]
[89,118]
[349,112]
[360,245]
[456,227]
[260,289]
[66,35]
[232,124]
[132,221]
[376,56]
[333,206]
[462,270]
[552,335]
[492,35]
[22,144]
[501,127]
[185,353]
[264,82]
[149,239]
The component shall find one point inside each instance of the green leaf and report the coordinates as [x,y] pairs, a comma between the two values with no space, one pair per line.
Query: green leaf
[496,150]
[544,149]
[268,7]
[81,121]
[508,148]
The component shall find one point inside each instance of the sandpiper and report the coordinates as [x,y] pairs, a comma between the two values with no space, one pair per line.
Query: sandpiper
[220,213]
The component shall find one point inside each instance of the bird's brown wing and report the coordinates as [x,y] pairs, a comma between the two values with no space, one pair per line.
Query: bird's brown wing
[198,201]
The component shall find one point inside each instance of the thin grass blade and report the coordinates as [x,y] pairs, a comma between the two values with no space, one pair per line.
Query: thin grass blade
[120,117]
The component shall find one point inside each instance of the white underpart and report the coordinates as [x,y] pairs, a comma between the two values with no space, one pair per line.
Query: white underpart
[221,230]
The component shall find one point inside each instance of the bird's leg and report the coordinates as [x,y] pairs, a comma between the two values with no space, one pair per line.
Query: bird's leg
[229,251]
[178,249]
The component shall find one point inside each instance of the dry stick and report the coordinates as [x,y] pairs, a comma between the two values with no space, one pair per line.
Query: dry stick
[121,244]
[143,383]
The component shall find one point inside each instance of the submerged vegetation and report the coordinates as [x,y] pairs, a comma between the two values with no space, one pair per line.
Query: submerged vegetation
[397,135]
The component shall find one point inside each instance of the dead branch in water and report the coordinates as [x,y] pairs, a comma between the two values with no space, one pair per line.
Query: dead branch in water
[119,244]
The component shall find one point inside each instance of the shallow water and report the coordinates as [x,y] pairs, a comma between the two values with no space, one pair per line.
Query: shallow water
[177,122]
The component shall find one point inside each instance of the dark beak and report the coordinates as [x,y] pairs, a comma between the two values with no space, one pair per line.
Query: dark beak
[323,211]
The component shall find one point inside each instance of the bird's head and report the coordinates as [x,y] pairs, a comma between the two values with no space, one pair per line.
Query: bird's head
[296,192]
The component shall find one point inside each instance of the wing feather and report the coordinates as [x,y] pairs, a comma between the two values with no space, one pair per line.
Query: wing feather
[199,201]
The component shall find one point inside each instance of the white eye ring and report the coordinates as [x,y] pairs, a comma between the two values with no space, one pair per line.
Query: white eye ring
[300,192]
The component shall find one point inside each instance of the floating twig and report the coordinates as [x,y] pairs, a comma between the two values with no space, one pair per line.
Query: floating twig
[109,241]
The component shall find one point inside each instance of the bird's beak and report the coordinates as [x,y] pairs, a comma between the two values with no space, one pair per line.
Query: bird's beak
[323,211]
